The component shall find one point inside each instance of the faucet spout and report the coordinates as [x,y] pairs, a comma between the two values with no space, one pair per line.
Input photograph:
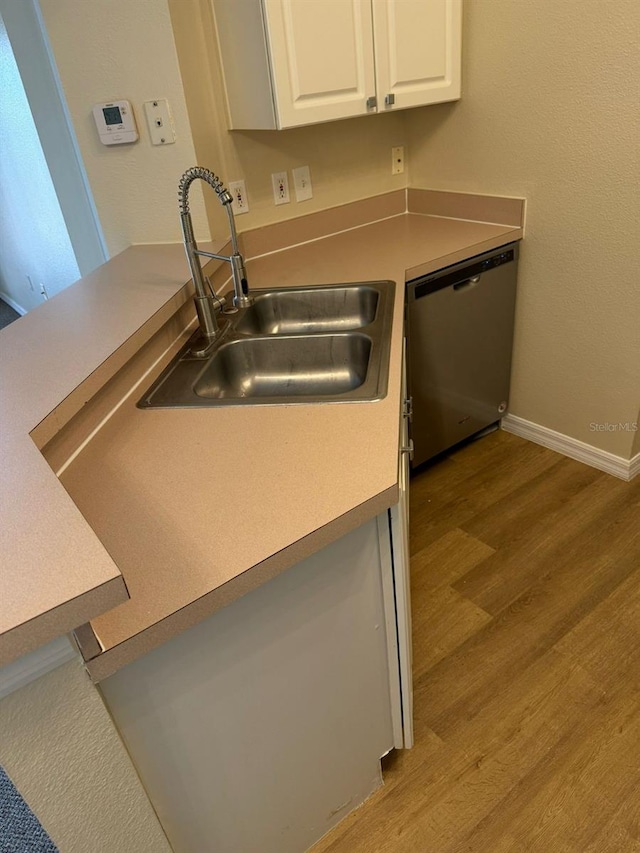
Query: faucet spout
[205,300]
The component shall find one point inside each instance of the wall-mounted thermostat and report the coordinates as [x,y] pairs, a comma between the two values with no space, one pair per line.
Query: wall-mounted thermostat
[115,122]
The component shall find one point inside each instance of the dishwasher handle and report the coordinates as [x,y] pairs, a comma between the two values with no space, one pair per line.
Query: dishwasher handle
[467,284]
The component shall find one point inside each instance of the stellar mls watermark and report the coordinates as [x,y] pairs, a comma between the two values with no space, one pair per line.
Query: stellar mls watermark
[627,426]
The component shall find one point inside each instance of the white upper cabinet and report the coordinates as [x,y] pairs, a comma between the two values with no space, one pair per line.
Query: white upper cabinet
[417,48]
[321,59]
[288,63]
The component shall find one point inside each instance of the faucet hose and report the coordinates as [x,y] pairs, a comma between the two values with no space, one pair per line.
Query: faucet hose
[205,175]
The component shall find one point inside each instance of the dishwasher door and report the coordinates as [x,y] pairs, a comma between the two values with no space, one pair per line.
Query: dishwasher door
[460,336]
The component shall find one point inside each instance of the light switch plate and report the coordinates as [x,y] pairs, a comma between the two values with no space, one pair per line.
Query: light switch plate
[160,121]
[302,183]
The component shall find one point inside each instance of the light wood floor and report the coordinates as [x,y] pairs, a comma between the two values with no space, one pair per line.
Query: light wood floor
[526,624]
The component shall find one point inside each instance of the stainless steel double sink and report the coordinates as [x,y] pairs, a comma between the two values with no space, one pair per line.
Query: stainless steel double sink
[296,345]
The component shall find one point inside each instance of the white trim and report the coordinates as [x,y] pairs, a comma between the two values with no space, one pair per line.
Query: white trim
[36,64]
[34,665]
[12,303]
[625,469]
[389,604]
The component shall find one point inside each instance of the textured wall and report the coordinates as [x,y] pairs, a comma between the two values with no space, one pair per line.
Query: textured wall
[62,752]
[348,159]
[125,49]
[549,110]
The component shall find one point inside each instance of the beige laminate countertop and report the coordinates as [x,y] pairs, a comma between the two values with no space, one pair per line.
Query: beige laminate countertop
[193,507]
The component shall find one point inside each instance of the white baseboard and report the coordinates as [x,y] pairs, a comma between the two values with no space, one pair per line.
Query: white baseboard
[625,469]
[6,298]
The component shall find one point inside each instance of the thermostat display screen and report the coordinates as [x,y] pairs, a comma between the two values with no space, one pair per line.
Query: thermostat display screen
[112,115]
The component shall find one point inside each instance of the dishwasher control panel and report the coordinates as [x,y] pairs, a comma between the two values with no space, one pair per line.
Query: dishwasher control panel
[461,272]
[498,260]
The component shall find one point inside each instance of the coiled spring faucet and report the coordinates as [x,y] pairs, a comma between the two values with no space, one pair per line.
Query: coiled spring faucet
[205,299]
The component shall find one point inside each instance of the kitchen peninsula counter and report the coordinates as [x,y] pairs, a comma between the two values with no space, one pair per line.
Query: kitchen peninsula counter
[157,518]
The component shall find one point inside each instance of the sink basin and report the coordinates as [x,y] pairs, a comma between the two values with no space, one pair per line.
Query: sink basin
[310,309]
[326,344]
[280,368]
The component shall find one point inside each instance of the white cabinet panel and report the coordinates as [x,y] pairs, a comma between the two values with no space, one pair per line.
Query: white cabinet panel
[261,727]
[309,61]
[322,59]
[418,49]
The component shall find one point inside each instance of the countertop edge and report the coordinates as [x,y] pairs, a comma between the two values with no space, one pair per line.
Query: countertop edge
[62,619]
[111,660]
[510,236]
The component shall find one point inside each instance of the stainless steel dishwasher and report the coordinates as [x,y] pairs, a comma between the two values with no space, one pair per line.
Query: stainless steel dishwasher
[460,337]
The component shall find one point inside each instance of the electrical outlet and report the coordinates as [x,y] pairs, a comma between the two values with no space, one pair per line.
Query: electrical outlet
[302,183]
[397,160]
[280,184]
[240,201]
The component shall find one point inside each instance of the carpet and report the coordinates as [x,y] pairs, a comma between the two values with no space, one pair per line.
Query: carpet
[20,829]
[7,314]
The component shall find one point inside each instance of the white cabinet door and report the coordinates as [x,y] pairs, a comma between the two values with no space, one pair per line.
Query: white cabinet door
[321,54]
[309,61]
[418,50]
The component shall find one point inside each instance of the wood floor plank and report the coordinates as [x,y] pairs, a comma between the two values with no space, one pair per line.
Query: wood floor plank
[439,506]
[586,773]
[442,618]
[531,508]
[510,738]
[591,522]
[526,613]
[441,624]
[446,560]
[606,643]
[467,679]
[622,831]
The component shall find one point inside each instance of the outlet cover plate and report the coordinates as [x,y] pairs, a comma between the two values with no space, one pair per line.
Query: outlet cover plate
[240,202]
[397,160]
[280,183]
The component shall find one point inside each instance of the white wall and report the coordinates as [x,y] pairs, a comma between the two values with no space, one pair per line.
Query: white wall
[60,748]
[124,49]
[33,234]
